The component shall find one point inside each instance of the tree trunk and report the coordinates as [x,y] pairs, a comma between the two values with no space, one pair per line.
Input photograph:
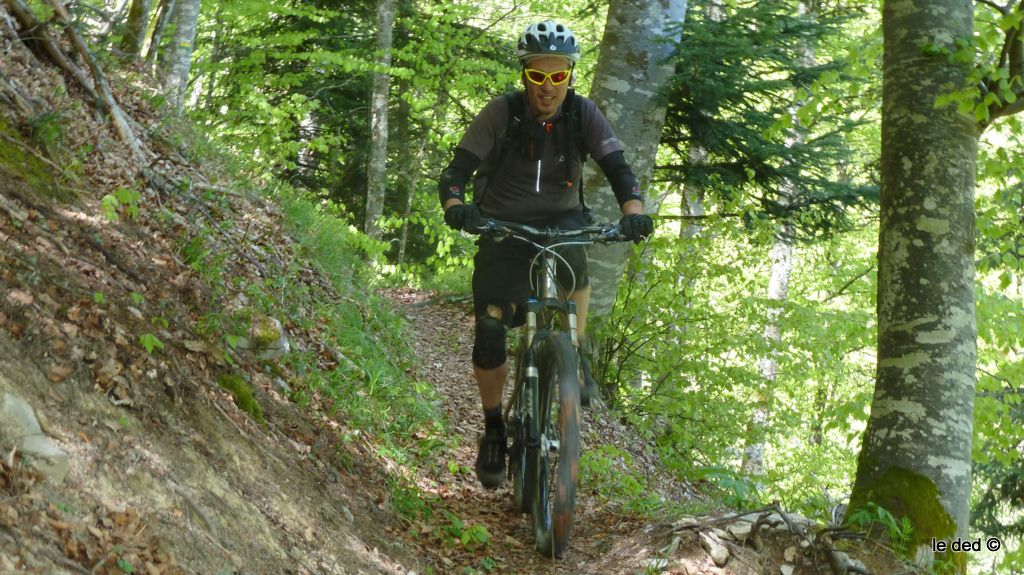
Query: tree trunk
[409,158]
[631,70]
[916,456]
[179,58]
[135,29]
[163,17]
[778,290]
[376,177]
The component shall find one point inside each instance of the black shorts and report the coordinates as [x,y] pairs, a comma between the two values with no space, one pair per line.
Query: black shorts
[501,272]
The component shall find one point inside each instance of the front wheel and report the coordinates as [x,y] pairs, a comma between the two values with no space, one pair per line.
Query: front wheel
[521,467]
[558,456]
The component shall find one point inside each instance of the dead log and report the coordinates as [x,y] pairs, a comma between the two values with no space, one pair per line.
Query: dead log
[117,115]
[39,35]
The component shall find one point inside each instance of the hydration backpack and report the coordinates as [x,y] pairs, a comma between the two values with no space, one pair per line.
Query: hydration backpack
[516,137]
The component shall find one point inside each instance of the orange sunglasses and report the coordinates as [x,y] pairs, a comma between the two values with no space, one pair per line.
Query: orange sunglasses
[538,77]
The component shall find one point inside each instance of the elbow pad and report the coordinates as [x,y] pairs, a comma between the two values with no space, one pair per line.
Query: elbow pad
[452,183]
[621,177]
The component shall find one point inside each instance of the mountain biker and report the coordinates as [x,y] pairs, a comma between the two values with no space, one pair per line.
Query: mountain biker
[533,181]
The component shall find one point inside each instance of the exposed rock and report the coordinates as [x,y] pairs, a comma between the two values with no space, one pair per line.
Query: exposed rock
[268,338]
[20,429]
[740,531]
[789,554]
[718,552]
[686,522]
[722,534]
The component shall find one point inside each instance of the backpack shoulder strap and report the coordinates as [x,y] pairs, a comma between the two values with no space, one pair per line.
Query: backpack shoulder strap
[573,110]
[574,115]
[513,129]
[514,124]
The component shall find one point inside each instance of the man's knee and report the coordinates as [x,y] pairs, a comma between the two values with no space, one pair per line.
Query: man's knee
[489,344]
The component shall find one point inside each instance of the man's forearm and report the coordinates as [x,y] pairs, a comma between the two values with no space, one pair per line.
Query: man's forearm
[632,207]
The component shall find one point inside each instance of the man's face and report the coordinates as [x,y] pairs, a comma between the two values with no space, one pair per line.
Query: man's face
[546,98]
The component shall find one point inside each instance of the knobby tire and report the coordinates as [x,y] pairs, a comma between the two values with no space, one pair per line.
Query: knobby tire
[557,410]
[521,466]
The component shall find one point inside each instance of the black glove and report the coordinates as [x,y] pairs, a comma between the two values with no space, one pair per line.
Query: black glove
[463,217]
[636,227]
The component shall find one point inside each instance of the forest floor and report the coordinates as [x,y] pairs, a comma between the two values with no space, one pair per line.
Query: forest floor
[165,473]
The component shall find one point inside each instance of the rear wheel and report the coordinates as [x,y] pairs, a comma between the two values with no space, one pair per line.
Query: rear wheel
[558,456]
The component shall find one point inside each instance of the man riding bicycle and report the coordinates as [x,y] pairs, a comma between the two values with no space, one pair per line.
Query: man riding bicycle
[527,153]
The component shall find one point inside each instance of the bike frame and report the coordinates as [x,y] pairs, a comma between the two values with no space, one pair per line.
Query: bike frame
[550,316]
[542,315]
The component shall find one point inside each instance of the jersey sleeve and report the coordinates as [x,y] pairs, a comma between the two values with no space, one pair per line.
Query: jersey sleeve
[486,129]
[597,132]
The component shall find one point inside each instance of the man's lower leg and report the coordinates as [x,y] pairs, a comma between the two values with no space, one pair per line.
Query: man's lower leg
[491,370]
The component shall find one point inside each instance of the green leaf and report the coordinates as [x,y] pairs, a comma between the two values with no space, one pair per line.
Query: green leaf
[150,342]
[109,205]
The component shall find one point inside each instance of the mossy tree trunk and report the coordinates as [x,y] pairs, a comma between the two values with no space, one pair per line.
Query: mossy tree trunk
[135,29]
[916,457]
[163,16]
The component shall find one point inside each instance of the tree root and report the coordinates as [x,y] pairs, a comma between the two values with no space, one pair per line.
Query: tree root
[772,516]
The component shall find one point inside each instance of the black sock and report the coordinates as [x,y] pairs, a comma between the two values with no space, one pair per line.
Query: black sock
[493,419]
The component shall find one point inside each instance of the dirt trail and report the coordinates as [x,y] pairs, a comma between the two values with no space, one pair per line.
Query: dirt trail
[603,541]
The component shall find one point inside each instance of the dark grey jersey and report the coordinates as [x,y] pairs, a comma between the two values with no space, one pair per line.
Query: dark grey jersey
[533,190]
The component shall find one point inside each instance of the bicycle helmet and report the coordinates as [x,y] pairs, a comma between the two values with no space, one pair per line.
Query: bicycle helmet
[548,38]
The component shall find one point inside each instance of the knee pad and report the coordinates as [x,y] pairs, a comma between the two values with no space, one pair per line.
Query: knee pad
[489,344]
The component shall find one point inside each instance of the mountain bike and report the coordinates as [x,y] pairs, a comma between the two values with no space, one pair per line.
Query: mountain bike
[543,414]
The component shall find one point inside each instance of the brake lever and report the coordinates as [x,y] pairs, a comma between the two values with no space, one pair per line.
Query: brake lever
[613,234]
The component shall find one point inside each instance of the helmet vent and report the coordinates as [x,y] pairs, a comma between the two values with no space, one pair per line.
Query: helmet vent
[548,38]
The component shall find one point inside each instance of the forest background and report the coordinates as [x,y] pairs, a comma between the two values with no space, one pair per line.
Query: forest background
[742,339]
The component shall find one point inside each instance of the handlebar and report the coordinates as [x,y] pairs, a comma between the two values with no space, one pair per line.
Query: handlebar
[595,234]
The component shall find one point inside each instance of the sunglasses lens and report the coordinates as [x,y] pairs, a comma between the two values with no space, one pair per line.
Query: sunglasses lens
[536,76]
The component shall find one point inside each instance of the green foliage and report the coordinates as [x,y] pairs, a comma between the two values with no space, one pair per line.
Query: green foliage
[606,470]
[48,132]
[682,349]
[122,201]
[755,119]
[470,536]
[410,502]
[872,516]
[242,392]
[17,160]
[734,490]
[371,389]
[150,342]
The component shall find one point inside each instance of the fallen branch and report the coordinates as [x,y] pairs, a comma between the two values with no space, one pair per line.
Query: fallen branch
[218,189]
[49,45]
[15,97]
[100,81]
